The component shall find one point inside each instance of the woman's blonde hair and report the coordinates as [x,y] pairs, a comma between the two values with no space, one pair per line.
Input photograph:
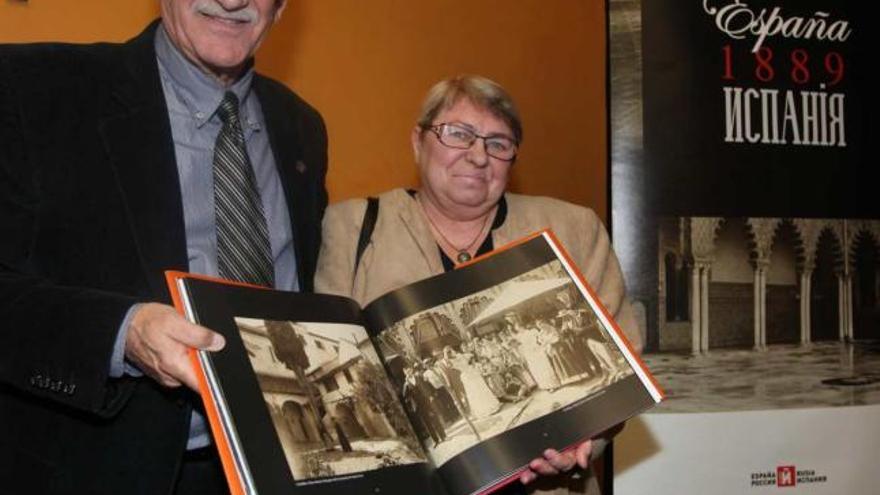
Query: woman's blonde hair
[481,91]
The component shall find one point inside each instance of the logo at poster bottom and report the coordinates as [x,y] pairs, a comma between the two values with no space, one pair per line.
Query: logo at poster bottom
[786,477]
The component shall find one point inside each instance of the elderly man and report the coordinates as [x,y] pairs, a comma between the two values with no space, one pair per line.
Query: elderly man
[119,161]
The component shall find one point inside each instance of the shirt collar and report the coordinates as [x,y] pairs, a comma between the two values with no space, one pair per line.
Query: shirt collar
[200,93]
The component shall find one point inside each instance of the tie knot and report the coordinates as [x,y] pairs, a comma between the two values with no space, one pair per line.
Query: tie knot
[228,109]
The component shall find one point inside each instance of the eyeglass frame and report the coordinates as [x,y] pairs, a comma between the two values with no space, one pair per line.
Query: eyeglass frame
[436,129]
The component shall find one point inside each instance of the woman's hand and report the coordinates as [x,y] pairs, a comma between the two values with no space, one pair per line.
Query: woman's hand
[554,462]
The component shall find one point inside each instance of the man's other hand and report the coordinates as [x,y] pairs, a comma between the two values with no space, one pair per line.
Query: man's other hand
[158,342]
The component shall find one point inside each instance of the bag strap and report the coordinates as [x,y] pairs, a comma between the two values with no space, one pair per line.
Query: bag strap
[367,226]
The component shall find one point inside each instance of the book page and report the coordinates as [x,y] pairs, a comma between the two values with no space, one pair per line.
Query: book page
[475,367]
[330,400]
[302,397]
[503,358]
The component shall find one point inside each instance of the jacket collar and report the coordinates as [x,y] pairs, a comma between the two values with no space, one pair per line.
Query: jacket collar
[413,218]
[137,137]
[286,141]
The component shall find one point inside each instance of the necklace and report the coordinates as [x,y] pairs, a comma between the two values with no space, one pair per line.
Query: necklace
[464,254]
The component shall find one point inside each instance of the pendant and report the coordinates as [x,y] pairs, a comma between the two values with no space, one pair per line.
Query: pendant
[463,257]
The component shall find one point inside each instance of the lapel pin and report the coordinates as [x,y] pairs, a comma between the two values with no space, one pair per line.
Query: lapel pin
[300,167]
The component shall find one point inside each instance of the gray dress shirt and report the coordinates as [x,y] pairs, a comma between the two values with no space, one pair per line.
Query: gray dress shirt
[192,98]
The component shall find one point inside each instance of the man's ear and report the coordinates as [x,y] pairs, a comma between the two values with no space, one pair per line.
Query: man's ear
[279,8]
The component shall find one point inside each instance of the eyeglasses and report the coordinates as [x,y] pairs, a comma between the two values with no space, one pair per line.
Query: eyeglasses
[460,137]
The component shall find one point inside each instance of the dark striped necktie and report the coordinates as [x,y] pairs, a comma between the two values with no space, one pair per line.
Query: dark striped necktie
[243,250]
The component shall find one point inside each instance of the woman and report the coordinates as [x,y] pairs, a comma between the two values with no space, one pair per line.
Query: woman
[480,397]
[537,361]
[464,144]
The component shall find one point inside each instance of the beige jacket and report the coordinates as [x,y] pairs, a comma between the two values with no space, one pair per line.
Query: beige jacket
[402,250]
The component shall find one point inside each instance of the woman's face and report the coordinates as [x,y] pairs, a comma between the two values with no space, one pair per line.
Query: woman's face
[463,184]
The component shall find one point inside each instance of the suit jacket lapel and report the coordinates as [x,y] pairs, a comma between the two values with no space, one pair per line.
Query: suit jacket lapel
[413,218]
[286,143]
[137,137]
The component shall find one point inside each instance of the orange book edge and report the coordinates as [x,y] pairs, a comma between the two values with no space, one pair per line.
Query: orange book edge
[233,478]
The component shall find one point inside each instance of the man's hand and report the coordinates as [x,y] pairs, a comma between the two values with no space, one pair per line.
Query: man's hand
[554,462]
[158,342]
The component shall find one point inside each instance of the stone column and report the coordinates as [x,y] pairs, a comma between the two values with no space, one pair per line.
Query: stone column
[756,307]
[810,309]
[764,306]
[704,308]
[841,307]
[848,308]
[805,306]
[695,308]
[760,304]
[702,239]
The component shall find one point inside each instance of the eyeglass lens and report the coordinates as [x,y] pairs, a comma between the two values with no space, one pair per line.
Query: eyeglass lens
[456,136]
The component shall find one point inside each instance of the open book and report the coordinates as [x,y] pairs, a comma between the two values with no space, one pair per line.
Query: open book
[449,385]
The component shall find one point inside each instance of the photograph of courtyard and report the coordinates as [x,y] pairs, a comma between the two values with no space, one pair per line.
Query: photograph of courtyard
[767,313]
[331,404]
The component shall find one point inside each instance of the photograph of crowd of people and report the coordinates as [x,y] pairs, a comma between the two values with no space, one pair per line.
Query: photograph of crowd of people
[330,401]
[478,366]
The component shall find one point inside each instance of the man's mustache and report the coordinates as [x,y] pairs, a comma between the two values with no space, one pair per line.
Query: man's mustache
[213,9]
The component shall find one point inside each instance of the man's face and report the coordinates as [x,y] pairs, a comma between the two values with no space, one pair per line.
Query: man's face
[564,298]
[219,36]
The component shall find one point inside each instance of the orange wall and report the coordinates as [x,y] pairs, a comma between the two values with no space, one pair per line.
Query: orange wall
[365,64]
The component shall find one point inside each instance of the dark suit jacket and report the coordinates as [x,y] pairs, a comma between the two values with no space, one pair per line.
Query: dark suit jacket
[90,216]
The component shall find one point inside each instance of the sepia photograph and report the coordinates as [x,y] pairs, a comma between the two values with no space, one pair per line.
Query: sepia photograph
[758,313]
[330,401]
[476,367]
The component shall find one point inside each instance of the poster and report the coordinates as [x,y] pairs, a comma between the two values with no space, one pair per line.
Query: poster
[747,228]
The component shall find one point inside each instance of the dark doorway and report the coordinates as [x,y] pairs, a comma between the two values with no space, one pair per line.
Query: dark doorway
[866,310]
[824,303]
[295,417]
[783,303]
